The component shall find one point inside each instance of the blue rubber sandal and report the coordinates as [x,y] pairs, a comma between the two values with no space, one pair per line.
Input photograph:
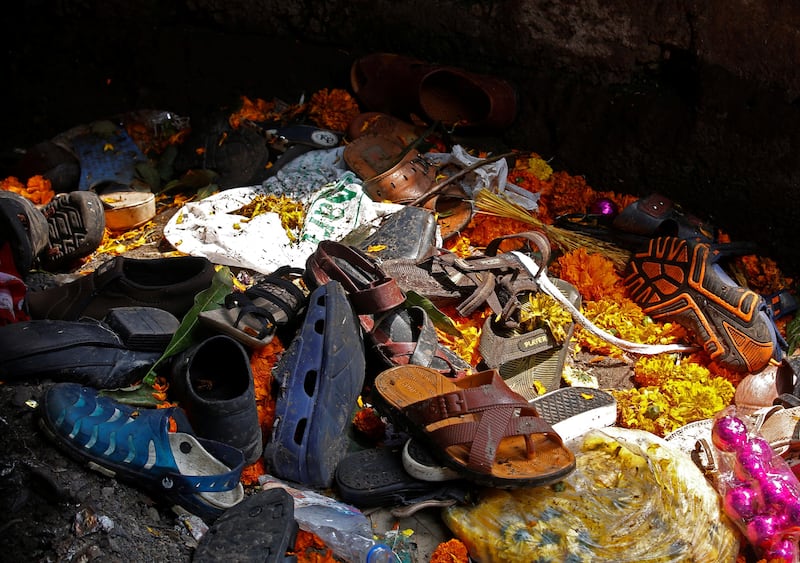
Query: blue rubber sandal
[320,375]
[139,447]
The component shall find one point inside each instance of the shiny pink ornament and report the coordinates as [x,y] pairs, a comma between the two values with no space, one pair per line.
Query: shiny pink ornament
[605,207]
[764,528]
[742,502]
[747,468]
[783,549]
[756,447]
[728,433]
[779,491]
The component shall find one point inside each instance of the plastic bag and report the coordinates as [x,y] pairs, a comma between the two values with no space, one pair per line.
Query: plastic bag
[760,492]
[632,497]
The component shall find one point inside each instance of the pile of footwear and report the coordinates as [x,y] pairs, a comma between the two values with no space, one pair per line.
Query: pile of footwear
[358,319]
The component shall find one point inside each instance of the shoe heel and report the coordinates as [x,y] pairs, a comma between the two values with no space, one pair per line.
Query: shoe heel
[143,328]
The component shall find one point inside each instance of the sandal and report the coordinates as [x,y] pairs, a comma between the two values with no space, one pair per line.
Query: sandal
[476,425]
[255,315]
[525,358]
[320,377]
[260,528]
[681,280]
[154,449]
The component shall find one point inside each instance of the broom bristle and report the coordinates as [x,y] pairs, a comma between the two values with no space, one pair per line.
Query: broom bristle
[495,204]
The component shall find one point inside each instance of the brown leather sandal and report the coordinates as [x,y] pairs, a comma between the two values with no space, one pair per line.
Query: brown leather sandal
[475,425]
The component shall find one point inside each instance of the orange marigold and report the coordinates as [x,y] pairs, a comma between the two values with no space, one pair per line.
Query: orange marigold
[37,189]
[451,551]
[333,109]
[593,275]
[253,110]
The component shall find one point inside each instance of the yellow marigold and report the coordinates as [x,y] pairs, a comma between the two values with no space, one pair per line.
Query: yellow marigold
[291,212]
[539,167]
[466,346]
[594,275]
[626,320]
[333,109]
[541,309]
[460,245]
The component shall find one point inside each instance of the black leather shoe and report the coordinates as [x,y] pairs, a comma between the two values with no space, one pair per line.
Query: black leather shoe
[110,354]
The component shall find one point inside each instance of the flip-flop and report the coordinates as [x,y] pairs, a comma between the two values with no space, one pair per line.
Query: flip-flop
[320,377]
[475,425]
[681,280]
[260,528]
[153,449]
[571,411]
[255,315]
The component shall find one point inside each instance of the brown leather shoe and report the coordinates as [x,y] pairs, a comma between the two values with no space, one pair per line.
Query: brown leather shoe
[170,284]
[404,87]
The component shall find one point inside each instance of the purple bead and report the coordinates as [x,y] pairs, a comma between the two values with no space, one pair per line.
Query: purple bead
[605,207]
[728,433]
[742,502]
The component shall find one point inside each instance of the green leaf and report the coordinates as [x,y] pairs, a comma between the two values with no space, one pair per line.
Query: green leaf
[439,319]
[793,334]
[211,298]
[139,395]
[148,174]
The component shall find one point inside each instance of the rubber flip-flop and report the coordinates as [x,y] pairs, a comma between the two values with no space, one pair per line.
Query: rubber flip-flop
[475,425]
[320,377]
[260,528]
[376,477]
[571,411]
[681,280]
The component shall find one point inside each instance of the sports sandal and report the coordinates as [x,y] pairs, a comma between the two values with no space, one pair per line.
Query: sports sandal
[524,358]
[571,411]
[375,477]
[254,316]
[153,449]
[260,528]
[320,377]
[681,280]
[475,425]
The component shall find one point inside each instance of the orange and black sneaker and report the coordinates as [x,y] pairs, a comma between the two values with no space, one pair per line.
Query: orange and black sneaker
[681,280]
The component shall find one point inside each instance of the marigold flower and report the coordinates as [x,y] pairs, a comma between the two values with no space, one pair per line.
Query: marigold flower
[332,109]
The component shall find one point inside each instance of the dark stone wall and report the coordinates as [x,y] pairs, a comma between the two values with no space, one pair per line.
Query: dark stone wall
[698,100]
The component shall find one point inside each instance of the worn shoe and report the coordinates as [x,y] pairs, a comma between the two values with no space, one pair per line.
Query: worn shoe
[213,382]
[681,280]
[24,227]
[165,283]
[110,354]
[155,450]
[76,223]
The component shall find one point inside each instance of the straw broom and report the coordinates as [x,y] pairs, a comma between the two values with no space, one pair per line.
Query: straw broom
[493,204]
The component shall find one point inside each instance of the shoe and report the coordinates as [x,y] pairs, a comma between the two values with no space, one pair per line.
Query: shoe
[406,87]
[165,283]
[213,382]
[76,225]
[260,528]
[320,377]
[24,227]
[681,280]
[406,234]
[115,352]
[53,162]
[152,449]
[525,358]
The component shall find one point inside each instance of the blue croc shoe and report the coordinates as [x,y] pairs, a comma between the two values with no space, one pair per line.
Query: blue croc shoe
[320,375]
[153,449]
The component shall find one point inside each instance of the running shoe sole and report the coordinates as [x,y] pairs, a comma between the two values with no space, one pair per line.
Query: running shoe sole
[76,224]
[680,280]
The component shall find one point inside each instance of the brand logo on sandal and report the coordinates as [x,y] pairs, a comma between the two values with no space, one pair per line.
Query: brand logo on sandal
[535,343]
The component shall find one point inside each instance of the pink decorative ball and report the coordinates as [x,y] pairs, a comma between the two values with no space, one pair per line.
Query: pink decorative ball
[764,528]
[784,549]
[747,468]
[728,433]
[742,502]
[779,491]
[756,447]
[605,207]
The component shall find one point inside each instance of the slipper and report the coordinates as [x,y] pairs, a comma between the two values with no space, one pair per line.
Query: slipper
[375,478]
[153,449]
[524,358]
[385,125]
[406,335]
[320,377]
[681,280]
[254,316]
[406,234]
[260,528]
[571,411]
[398,173]
[475,425]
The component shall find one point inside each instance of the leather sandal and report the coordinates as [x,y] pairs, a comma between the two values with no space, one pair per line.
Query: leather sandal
[475,425]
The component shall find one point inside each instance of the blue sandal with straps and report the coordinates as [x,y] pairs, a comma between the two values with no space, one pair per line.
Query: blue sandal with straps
[154,449]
